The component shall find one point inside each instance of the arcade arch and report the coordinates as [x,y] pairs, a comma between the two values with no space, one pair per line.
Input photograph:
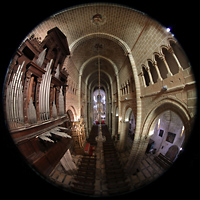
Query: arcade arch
[127,129]
[149,125]
[72,113]
[167,135]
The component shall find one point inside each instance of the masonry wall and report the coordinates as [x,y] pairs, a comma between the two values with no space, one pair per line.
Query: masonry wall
[145,40]
[127,93]
[72,92]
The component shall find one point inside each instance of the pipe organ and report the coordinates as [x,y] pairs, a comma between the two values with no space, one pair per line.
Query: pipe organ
[14,98]
[32,117]
[34,99]
[61,102]
[45,92]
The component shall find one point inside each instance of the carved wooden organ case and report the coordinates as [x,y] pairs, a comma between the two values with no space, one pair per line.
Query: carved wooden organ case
[35,100]
[35,85]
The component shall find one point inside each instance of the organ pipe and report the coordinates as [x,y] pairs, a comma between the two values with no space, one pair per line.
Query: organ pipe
[61,102]
[14,99]
[44,94]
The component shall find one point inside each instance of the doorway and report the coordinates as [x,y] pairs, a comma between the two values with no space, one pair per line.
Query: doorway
[166,135]
[130,130]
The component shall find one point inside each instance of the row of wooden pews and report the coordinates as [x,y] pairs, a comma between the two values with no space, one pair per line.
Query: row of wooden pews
[92,136]
[115,176]
[84,179]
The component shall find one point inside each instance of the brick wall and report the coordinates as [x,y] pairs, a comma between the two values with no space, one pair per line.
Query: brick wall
[142,38]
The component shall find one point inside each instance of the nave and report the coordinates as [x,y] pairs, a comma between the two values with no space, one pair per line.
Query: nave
[64,78]
[102,172]
[98,174]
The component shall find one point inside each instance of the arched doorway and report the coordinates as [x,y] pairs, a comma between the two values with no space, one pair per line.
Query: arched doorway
[70,115]
[167,135]
[130,132]
[127,131]
[149,124]
[116,135]
[71,112]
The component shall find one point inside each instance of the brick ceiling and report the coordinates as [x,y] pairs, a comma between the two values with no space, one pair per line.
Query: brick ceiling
[86,27]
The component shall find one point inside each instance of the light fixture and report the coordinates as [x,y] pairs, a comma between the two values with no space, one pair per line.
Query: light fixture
[164,88]
[168,29]
[158,123]
[151,132]
[183,128]
[100,137]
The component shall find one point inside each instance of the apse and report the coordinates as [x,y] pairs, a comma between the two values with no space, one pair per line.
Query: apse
[99,106]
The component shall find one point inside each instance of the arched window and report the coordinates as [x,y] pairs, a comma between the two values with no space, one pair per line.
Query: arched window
[153,72]
[173,66]
[146,76]
[180,54]
[161,66]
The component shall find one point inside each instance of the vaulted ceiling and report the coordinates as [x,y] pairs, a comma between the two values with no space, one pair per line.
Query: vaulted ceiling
[108,31]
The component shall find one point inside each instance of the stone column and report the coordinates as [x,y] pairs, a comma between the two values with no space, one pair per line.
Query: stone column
[157,70]
[150,76]
[123,136]
[128,87]
[110,110]
[167,66]
[143,79]
[175,57]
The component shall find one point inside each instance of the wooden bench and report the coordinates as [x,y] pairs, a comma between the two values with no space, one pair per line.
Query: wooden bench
[88,171]
[88,165]
[163,161]
[83,185]
[88,162]
[115,185]
[109,154]
[85,180]
[111,170]
[107,149]
[114,176]
[115,179]
[84,174]
[89,159]
[118,190]
[81,190]
[107,167]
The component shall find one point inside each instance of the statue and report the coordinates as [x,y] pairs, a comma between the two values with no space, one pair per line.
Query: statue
[78,135]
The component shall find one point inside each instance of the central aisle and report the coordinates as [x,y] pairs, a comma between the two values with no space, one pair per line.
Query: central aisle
[102,173]
[116,181]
